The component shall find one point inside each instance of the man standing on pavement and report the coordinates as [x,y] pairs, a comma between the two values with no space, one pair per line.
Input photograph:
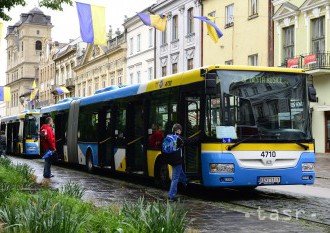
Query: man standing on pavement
[48,144]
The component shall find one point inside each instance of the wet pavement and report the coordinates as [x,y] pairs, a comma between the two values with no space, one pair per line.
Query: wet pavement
[267,209]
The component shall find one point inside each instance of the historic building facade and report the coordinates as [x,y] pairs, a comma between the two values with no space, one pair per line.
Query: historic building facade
[302,40]
[102,66]
[140,50]
[247,33]
[66,59]
[24,48]
[47,74]
[179,47]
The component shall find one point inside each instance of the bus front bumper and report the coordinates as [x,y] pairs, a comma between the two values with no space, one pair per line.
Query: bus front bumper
[252,177]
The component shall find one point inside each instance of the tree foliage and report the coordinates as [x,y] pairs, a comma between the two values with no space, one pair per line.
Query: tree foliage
[7,5]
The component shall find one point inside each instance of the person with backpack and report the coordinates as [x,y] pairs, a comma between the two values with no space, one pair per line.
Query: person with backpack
[172,149]
[48,145]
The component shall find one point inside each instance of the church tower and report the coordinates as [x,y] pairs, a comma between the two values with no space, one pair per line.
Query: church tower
[26,41]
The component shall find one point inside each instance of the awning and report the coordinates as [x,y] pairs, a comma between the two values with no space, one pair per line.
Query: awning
[323,108]
[61,90]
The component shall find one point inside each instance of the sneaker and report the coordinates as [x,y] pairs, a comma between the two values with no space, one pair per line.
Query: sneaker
[51,175]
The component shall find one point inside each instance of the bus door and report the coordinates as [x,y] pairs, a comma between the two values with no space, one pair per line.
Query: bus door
[136,151]
[60,131]
[105,138]
[15,137]
[120,137]
[191,128]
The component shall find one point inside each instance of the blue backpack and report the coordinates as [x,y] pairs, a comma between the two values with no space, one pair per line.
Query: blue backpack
[170,144]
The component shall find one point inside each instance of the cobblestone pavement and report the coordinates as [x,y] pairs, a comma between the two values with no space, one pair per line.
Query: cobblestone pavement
[209,210]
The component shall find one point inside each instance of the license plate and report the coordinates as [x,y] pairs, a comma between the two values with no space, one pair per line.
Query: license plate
[269,180]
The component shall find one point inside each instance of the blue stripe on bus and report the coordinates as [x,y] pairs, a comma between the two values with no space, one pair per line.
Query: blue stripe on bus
[248,176]
[93,147]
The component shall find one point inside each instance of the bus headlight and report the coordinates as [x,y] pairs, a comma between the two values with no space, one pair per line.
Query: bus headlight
[31,148]
[307,167]
[222,168]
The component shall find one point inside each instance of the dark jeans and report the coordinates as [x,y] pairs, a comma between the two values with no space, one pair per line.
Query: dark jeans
[47,166]
[178,175]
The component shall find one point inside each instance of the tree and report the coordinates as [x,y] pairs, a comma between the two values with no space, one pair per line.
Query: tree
[52,4]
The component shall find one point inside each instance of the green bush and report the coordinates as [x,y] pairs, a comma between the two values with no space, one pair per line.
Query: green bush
[72,190]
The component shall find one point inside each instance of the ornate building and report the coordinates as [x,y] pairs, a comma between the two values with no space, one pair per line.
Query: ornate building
[179,47]
[24,48]
[102,66]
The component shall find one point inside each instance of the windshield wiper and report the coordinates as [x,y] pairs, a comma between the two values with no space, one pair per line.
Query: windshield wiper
[239,142]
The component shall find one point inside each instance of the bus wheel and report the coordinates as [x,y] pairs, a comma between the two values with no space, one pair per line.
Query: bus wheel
[162,174]
[89,162]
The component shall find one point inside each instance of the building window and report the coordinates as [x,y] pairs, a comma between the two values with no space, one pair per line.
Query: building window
[174,68]
[138,43]
[96,86]
[38,45]
[253,7]
[164,71]
[84,92]
[190,20]
[229,62]
[22,46]
[38,32]
[138,76]
[229,15]
[288,43]
[112,81]
[151,31]
[119,81]
[131,46]
[175,28]
[190,64]
[253,60]
[318,38]
[89,90]
[150,73]
[131,78]
[164,38]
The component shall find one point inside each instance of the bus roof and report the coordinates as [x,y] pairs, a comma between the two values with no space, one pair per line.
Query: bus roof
[21,115]
[178,79]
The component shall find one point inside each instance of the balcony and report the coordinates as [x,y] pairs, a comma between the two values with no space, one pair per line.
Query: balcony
[313,63]
[69,82]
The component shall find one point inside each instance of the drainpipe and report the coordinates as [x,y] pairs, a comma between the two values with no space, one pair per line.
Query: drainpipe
[270,34]
[202,34]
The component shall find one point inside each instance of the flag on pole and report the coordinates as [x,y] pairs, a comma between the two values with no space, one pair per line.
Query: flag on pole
[34,94]
[92,23]
[157,21]
[61,90]
[213,30]
[5,94]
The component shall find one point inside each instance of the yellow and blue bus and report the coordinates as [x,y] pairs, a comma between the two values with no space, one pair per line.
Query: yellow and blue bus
[21,133]
[254,125]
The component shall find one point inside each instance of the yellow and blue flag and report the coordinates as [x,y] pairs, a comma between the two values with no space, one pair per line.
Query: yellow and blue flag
[92,23]
[34,94]
[61,90]
[157,21]
[213,30]
[5,94]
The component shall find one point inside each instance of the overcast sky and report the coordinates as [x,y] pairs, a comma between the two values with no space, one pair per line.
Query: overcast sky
[66,25]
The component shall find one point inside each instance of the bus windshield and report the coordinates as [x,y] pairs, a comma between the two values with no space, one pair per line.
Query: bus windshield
[261,106]
[31,128]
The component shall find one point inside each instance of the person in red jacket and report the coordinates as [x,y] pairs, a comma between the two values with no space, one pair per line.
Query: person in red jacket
[48,144]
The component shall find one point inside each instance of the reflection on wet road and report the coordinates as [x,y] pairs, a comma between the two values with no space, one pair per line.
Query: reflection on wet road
[209,210]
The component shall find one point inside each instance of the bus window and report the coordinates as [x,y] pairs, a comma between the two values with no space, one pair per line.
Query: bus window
[213,116]
[87,124]
[3,129]
[120,124]
[31,128]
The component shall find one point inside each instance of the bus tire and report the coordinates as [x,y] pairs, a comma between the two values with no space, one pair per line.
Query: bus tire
[162,179]
[89,161]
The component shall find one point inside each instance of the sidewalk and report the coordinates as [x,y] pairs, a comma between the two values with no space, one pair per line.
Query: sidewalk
[323,166]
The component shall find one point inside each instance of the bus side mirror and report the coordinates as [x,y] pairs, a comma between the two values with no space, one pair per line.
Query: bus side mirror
[211,84]
[312,94]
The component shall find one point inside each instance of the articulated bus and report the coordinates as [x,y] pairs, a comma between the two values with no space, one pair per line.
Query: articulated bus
[254,126]
[21,133]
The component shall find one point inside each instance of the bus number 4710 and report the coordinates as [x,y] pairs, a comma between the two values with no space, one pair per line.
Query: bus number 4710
[267,154]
